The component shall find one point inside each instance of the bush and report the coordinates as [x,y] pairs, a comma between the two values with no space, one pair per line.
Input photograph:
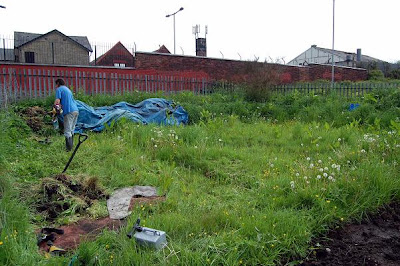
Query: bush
[260,80]
[394,74]
[376,74]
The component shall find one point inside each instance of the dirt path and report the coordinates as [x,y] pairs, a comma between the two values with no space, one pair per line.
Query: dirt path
[376,241]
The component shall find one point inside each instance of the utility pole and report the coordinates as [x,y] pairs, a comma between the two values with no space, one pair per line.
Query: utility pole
[173,14]
[333,46]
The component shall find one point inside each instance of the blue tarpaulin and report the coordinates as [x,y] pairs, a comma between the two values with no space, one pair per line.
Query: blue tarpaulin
[153,110]
[353,106]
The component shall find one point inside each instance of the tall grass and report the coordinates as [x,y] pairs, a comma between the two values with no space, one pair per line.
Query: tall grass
[245,183]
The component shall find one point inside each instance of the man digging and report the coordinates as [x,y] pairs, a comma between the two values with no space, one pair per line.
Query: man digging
[70,112]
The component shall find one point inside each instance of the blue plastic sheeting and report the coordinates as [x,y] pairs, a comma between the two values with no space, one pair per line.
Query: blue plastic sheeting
[353,106]
[153,110]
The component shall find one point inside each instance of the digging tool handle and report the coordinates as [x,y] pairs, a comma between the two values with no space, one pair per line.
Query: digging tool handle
[135,228]
[80,141]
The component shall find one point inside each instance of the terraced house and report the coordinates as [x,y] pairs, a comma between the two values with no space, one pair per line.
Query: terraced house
[53,47]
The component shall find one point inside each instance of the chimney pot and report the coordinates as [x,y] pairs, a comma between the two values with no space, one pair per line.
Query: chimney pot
[359,55]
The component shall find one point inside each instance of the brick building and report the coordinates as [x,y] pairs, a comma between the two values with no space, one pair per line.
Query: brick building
[117,56]
[51,48]
[162,50]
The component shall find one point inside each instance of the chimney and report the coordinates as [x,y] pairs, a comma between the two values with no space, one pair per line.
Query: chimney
[314,46]
[201,47]
[359,55]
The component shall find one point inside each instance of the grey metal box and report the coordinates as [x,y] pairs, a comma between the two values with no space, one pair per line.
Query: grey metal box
[151,238]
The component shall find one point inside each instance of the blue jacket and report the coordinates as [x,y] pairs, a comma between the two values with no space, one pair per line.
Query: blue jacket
[68,103]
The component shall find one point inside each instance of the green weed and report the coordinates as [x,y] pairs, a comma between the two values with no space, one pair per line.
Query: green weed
[245,183]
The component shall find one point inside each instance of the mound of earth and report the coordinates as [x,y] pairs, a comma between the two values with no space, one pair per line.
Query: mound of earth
[34,117]
[374,241]
[62,194]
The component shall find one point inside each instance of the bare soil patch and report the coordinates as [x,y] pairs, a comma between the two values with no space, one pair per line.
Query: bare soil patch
[374,241]
[145,200]
[35,118]
[83,230]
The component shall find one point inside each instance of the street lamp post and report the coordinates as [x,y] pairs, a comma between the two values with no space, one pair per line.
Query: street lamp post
[173,14]
[333,46]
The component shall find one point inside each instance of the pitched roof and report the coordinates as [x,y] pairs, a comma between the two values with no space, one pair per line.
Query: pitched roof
[22,38]
[116,47]
[162,50]
[342,54]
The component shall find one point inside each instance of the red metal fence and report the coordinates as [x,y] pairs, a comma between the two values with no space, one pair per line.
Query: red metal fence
[32,81]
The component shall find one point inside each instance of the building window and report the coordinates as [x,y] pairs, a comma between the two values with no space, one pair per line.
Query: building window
[119,64]
[29,57]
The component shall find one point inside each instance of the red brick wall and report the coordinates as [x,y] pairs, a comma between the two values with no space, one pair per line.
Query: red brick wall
[236,71]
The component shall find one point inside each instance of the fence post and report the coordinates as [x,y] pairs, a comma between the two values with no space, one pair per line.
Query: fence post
[96,83]
[30,83]
[40,83]
[4,49]
[2,87]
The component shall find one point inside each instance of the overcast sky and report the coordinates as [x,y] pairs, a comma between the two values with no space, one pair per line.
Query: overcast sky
[237,29]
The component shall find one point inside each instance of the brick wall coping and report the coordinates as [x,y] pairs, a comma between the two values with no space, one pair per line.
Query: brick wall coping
[213,58]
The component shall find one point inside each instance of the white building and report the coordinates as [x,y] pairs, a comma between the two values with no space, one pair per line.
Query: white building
[318,55]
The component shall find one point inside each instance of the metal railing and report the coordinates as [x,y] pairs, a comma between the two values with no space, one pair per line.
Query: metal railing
[19,82]
[345,89]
